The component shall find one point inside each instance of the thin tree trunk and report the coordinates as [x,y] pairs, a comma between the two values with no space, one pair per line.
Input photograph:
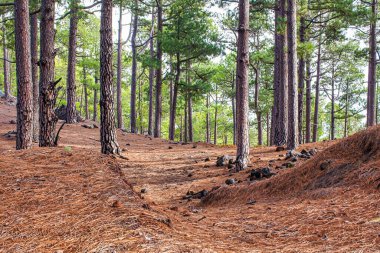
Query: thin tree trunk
[95,116]
[242,97]
[186,132]
[332,134]
[316,102]
[158,114]
[119,110]
[134,70]
[257,109]
[292,142]
[151,80]
[371,99]
[71,113]
[24,77]
[301,80]
[216,117]
[174,105]
[87,114]
[140,110]
[48,91]
[279,114]
[190,117]
[208,133]
[34,62]
[181,130]
[6,66]
[308,102]
[107,118]
[233,107]
[346,111]
[268,130]
[259,128]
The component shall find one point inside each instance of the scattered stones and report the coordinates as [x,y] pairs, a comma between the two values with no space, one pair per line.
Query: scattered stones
[230,181]
[280,148]
[13,122]
[260,173]
[192,195]
[222,160]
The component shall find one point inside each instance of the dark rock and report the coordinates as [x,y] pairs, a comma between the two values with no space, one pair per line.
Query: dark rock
[207,159]
[190,174]
[60,112]
[143,190]
[170,147]
[288,165]
[127,144]
[272,161]
[313,152]
[294,159]
[280,148]
[231,161]
[88,126]
[191,195]
[305,152]
[12,122]
[230,166]
[222,160]
[146,206]
[255,174]
[265,172]
[251,202]
[95,125]
[230,181]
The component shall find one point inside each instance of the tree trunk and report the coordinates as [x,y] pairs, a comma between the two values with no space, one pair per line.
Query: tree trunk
[24,77]
[87,114]
[48,91]
[186,132]
[34,62]
[301,80]
[332,134]
[292,142]
[134,70]
[6,66]
[316,102]
[208,133]
[308,102]
[259,128]
[107,120]
[190,117]
[174,105]
[140,110]
[71,113]
[268,130]
[233,108]
[279,114]
[242,96]
[158,114]
[95,116]
[346,111]
[151,80]
[119,110]
[257,109]
[216,117]
[371,99]
[181,130]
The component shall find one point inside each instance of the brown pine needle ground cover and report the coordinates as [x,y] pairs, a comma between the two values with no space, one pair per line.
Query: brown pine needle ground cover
[73,199]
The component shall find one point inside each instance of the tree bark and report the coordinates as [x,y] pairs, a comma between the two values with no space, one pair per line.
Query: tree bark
[24,77]
[48,91]
[134,70]
[95,115]
[34,62]
[108,141]
[119,110]
[151,81]
[190,117]
[158,112]
[87,114]
[371,99]
[308,102]
[257,109]
[346,111]
[301,80]
[208,133]
[242,97]
[186,126]
[6,66]
[174,104]
[316,102]
[233,108]
[140,110]
[216,117]
[71,112]
[332,127]
[279,114]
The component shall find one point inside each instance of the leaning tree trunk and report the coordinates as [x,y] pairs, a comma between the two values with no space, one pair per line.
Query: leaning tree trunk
[279,113]
[134,71]
[36,90]
[316,102]
[24,77]
[242,133]
[292,142]
[71,112]
[107,118]
[119,66]
[6,66]
[308,102]
[158,109]
[151,79]
[371,99]
[48,91]
[301,80]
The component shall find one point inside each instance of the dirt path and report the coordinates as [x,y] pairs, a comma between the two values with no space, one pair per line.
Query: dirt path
[337,222]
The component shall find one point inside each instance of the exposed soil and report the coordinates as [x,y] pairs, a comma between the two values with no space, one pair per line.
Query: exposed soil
[73,199]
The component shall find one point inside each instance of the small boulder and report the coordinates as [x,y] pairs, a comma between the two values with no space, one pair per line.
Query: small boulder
[13,122]
[170,147]
[230,181]
[207,159]
[222,160]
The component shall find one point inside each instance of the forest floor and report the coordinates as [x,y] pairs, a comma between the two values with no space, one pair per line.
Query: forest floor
[73,199]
